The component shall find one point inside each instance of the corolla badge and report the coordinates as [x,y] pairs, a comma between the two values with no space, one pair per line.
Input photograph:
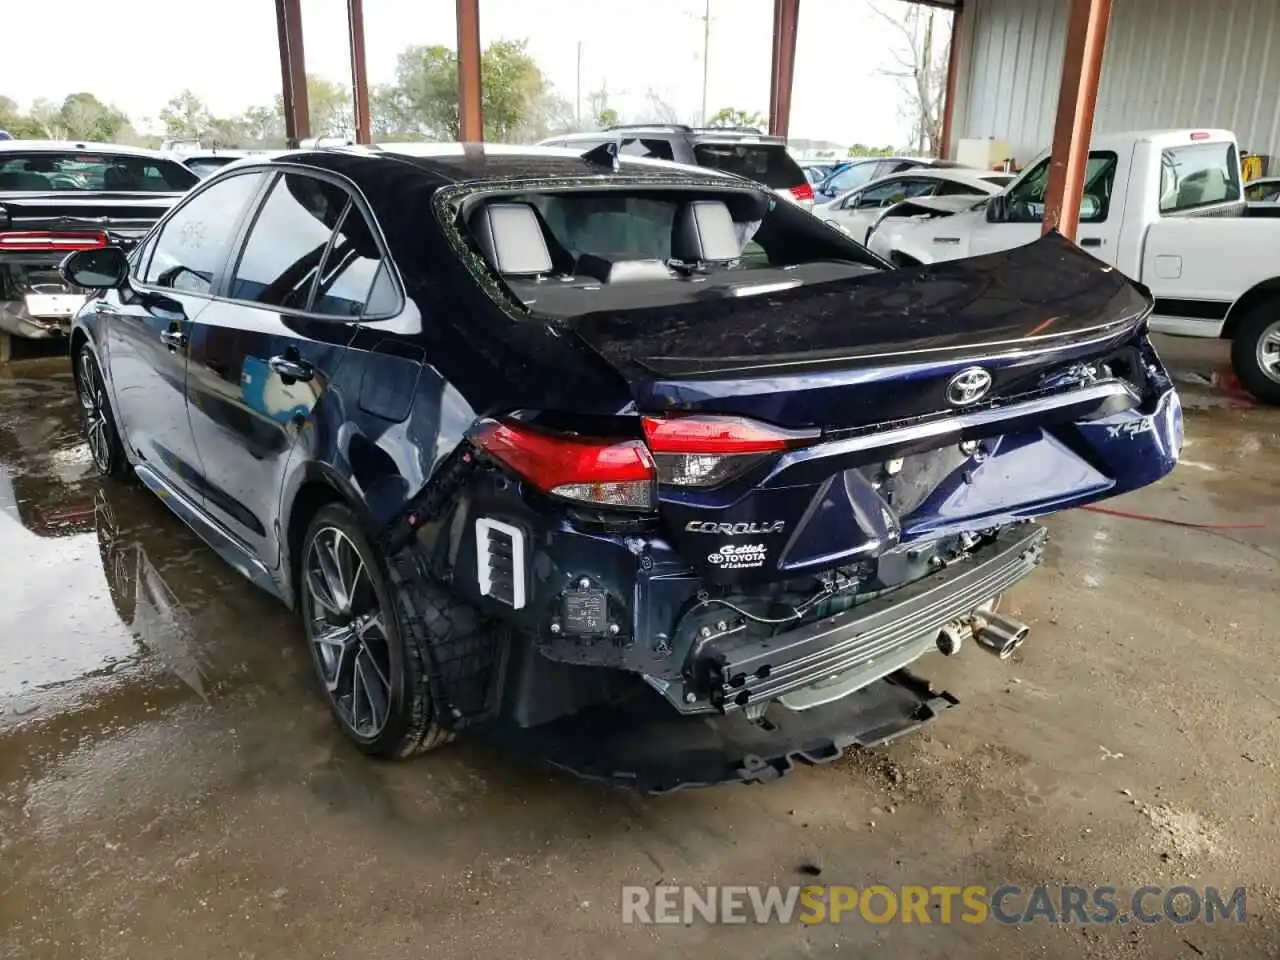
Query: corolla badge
[968,386]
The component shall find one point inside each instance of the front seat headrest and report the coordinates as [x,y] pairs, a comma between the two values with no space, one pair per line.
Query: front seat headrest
[704,232]
[511,239]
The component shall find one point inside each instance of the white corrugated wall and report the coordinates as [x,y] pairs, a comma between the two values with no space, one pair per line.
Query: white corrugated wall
[1168,63]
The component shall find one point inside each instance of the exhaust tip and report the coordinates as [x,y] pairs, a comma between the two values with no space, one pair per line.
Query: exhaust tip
[1000,635]
[951,639]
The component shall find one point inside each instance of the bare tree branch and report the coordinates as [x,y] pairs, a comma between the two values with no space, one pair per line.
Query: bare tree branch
[922,76]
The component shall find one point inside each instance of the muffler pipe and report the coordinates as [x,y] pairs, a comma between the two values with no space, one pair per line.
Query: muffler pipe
[999,635]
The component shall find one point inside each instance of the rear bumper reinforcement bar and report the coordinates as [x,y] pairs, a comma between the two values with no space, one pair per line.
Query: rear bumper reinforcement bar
[736,674]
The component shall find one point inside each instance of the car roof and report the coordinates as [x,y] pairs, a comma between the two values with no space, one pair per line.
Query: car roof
[446,163]
[87,146]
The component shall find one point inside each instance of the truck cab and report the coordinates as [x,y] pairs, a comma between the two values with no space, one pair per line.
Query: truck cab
[1167,209]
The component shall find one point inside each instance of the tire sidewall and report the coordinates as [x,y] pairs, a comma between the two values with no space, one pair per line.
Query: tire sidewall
[408,691]
[1244,352]
[117,462]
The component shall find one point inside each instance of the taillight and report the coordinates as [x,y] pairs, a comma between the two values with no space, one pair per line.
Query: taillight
[707,451]
[607,473]
[39,241]
[803,193]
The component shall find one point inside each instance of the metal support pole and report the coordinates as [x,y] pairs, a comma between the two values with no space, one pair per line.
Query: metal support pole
[1077,98]
[359,78]
[948,107]
[786,17]
[470,114]
[293,72]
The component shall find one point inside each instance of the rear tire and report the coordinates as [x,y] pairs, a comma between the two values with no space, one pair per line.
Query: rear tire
[1255,351]
[373,671]
[99,420]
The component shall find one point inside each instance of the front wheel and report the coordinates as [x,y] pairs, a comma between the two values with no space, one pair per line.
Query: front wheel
[371,669]
[99,423]
[1255,351]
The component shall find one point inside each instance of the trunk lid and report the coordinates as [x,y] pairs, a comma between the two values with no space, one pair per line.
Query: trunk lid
[863,352]
[937,401]
[122,216]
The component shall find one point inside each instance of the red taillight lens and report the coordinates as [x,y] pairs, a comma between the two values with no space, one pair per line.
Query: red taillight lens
[606,473]
[802,192]
[39,241]
[707,451]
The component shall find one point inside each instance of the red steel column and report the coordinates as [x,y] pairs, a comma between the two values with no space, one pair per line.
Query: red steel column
[470,115]
[786,17]
[1077,98]
[293,71]
[948,107]
[359,78]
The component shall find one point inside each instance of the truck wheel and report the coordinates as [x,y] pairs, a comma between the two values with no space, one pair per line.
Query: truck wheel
[372,670]
[1255,351]
[99,422]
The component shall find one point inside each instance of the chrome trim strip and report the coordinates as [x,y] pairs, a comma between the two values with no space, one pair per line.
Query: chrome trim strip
[978,418]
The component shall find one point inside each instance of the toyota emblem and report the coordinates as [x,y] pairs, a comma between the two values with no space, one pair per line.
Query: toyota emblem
[968,386]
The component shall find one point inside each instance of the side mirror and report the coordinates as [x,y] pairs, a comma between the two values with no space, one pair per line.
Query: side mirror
[1090,207]
[101,269]
[997,209]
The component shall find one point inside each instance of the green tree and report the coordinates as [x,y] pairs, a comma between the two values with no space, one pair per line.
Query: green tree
[329,108]
[85,117]
[16,122]
[185,115]
[423,99]
[731,117]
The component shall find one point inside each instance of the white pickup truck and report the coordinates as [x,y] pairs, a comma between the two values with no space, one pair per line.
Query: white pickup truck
[1165,208]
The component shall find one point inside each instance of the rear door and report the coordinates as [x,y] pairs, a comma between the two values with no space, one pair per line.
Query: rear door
[264,352]
[147,328]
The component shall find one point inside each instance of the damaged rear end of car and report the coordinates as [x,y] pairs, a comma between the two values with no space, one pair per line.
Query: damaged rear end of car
[817,471]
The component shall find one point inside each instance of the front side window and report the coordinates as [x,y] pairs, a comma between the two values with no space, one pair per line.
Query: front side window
[194,242]
[850,178]
[895,191]
[281,258]
[1026,199]
[1198,175]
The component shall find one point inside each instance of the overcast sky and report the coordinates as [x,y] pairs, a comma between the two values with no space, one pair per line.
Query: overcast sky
[226,52]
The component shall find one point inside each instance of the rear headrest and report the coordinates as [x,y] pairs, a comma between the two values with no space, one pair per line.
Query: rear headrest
[704,231]
[511,239]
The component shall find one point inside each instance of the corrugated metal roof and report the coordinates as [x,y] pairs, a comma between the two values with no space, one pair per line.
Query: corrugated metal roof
[1168,63]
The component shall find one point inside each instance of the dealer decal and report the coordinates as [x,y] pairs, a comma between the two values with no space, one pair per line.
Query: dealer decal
[732,556]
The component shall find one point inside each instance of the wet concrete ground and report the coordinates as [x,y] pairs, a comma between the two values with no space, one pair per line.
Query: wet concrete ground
[171,785]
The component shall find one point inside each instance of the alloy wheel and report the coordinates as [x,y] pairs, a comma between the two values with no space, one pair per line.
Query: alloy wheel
[1269,351]
[93,401]
[347,628]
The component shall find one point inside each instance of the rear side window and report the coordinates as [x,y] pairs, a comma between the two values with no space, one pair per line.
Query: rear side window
[195,241]
[1265,192]
[953,188]
[852,177]
[350,270]
[289,237]
[1198,175]
[766,163]
[49,170]
[647,147]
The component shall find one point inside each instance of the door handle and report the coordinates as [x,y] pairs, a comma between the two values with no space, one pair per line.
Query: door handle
[292,369]
[102,308]
[173,339]
[1091,242]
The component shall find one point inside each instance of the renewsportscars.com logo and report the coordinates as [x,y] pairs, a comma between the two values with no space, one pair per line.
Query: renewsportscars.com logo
[879,904]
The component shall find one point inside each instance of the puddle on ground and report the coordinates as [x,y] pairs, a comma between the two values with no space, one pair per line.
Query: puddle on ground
[98,581]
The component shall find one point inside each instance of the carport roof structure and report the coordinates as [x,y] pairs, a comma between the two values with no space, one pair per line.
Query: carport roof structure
[1082,66]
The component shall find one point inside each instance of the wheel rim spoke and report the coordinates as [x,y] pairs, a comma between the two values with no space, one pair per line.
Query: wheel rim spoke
[1269,351]
[346,626]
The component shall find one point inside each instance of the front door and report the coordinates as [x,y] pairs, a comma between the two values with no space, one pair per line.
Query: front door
[148,327]
[263,354]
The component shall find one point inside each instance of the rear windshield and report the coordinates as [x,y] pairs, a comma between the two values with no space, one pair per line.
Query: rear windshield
[80,171]
[1198,175]
[626,248]
[765,163]
[206,165]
